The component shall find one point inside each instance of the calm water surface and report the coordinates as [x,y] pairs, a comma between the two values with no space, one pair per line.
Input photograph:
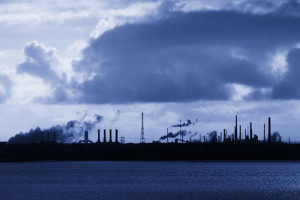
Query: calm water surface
[150,180]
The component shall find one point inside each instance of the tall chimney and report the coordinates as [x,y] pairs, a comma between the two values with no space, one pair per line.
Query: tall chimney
[250,130]
[264,132]
[110,139]
[235,130]
[98,136]
[224,136]
[116,138]
[104,136]
[269,131]
[86,137]
[240,133]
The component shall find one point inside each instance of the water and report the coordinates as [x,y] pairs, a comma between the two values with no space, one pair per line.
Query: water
[150,180]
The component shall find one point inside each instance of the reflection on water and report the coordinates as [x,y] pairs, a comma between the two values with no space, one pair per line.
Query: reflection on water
[150,180]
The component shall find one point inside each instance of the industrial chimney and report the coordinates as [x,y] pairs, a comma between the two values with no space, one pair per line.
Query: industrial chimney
[264,132]
[269,131]
[116,139]
[250,130]
[86,137]
[240,133]
[110,136]
[98,136]
[235,130]
[104,136]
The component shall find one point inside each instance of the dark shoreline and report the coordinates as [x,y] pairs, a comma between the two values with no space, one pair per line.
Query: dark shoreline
[150,152]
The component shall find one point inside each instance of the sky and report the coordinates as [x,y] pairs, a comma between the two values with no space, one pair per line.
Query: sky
[203,61]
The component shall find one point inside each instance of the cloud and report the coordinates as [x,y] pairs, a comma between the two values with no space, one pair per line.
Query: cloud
[43,62]
[184,57]
[40,61]
[5,88]
[162,52]
[134,13]
[288,88]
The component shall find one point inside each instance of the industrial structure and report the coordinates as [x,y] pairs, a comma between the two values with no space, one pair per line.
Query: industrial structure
[178,137]
[86,138]
[142,130]
[213,137]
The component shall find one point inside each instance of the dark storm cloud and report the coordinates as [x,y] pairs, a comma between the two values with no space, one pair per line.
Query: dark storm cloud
[185,57]
[289,87]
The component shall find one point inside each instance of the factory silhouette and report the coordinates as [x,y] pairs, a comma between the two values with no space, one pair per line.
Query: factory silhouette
[213,146]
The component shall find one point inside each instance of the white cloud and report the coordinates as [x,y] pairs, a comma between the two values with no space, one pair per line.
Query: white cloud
[74,50]
[37,12]
[278,63]
[134,13]
[241,91]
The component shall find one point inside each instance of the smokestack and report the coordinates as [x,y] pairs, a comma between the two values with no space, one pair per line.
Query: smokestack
[269,131]
[110,139]
[240,132]
[98,136]
[142,130]
[86,137]
[235,130]
[264,132]
[250,130]
[116,139]
[104,136]
[224,137]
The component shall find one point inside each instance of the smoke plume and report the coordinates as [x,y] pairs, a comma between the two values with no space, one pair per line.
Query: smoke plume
[186,124]
[173,135]
[193,135]
[67,133]
[212,136]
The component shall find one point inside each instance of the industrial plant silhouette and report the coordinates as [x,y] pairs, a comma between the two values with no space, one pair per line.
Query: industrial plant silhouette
[213,146]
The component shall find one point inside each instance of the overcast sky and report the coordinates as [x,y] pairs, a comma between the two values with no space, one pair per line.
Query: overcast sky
[172,60]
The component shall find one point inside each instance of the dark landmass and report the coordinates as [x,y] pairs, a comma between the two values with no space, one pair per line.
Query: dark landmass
[149,151]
